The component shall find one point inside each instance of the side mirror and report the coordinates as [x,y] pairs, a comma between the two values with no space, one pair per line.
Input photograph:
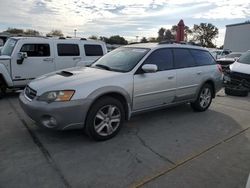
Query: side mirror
[21,56]
[149,68]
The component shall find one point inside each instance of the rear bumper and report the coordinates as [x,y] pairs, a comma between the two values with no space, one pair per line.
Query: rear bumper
[65,115]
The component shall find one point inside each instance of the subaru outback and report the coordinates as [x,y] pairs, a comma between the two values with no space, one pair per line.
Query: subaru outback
[124,82]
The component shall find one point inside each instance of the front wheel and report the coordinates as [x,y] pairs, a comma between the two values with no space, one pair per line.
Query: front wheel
[2,90]
[105,119]
[204,99]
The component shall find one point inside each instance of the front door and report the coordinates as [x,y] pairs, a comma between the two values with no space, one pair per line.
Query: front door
[40,61]
[155,89]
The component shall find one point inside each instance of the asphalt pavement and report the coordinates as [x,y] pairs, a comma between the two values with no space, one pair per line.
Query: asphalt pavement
[174,147]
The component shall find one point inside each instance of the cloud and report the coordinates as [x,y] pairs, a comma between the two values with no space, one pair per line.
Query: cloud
[111,17]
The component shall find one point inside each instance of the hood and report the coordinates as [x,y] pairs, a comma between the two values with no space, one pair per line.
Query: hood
[225,61]
[70,78]
[5,57]
[240,67]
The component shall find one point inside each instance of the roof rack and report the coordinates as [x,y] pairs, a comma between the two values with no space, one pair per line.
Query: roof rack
[179,42]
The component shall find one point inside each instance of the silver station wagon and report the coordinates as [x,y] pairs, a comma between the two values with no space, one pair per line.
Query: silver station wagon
[126,81]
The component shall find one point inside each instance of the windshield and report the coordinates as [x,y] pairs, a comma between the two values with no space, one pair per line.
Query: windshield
[121,59]
[233,55]
[245,58]
[9,47]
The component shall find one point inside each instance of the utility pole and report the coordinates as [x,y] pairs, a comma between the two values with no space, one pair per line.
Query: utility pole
[75,32]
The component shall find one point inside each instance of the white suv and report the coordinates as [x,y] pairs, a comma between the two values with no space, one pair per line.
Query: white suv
[25,58]
[124,82]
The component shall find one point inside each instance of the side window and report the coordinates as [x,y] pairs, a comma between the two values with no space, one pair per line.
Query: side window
[163,58]
[68,50]
[202,57]
[183,58]
[36,50]
[93,50]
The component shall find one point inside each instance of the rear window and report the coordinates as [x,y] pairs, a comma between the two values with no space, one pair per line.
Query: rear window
[68,50]
[202,57]
[36,50]
[93,50]
[183,58]
[245,58]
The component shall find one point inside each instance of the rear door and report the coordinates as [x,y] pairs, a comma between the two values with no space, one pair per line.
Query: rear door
[155,89]
[40,61]
[187,73]
[67,55]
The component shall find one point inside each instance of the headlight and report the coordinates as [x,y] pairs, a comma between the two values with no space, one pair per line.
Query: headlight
[58,96]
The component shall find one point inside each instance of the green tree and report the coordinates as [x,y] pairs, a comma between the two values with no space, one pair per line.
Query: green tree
[168,35]
[104,39]
[161,33]
[116,39]
[152,39]
[55,33]
[31,32]
[204,34]
[15,31]
[144,40]
[93,37]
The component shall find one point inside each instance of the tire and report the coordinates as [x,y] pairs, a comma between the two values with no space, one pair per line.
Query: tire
[2,89]
[105,119]
[204,99]
[234,91]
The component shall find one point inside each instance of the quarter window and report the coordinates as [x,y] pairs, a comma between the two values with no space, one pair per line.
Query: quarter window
[183,58]
[36,50]
[93,50]
[202,57]
[68,50]
[163,58]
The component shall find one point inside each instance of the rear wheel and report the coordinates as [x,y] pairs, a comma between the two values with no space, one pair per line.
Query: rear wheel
[105,119]
[204,99]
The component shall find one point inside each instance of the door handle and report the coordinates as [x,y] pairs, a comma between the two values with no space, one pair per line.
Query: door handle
[48,59]
[199,73]
[77,58]
[170,77]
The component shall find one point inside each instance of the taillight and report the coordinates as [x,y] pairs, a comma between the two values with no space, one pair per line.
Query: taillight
[219,67]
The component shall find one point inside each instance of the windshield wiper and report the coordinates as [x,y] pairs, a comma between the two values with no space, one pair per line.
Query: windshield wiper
[103,66]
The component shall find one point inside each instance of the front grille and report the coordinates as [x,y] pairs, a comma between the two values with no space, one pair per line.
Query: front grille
[30,93]
[240,76]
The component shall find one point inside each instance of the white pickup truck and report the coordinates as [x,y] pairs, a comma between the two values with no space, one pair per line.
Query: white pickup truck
[25,58]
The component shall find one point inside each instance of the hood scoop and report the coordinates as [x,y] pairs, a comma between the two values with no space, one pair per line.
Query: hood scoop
[65,73]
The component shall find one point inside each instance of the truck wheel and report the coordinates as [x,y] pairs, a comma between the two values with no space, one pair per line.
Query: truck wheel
[234,91]
[2,89]
[204,99]
[105,119]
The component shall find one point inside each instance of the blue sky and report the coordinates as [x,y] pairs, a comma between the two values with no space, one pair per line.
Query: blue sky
[128,18]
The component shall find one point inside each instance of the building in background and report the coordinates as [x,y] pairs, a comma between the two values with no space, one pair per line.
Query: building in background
[237,37]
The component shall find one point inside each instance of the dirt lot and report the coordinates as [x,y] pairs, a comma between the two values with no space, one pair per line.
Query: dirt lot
[175,147]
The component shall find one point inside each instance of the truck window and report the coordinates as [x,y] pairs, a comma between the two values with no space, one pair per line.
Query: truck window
[68,50]
[93,50]
[9,47]
[36,50]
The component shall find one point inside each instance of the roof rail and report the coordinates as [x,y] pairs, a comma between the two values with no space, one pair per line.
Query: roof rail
[179,42]
[168,42]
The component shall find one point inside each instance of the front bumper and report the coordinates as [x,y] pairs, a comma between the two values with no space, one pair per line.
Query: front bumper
[64,115]
[235,79]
